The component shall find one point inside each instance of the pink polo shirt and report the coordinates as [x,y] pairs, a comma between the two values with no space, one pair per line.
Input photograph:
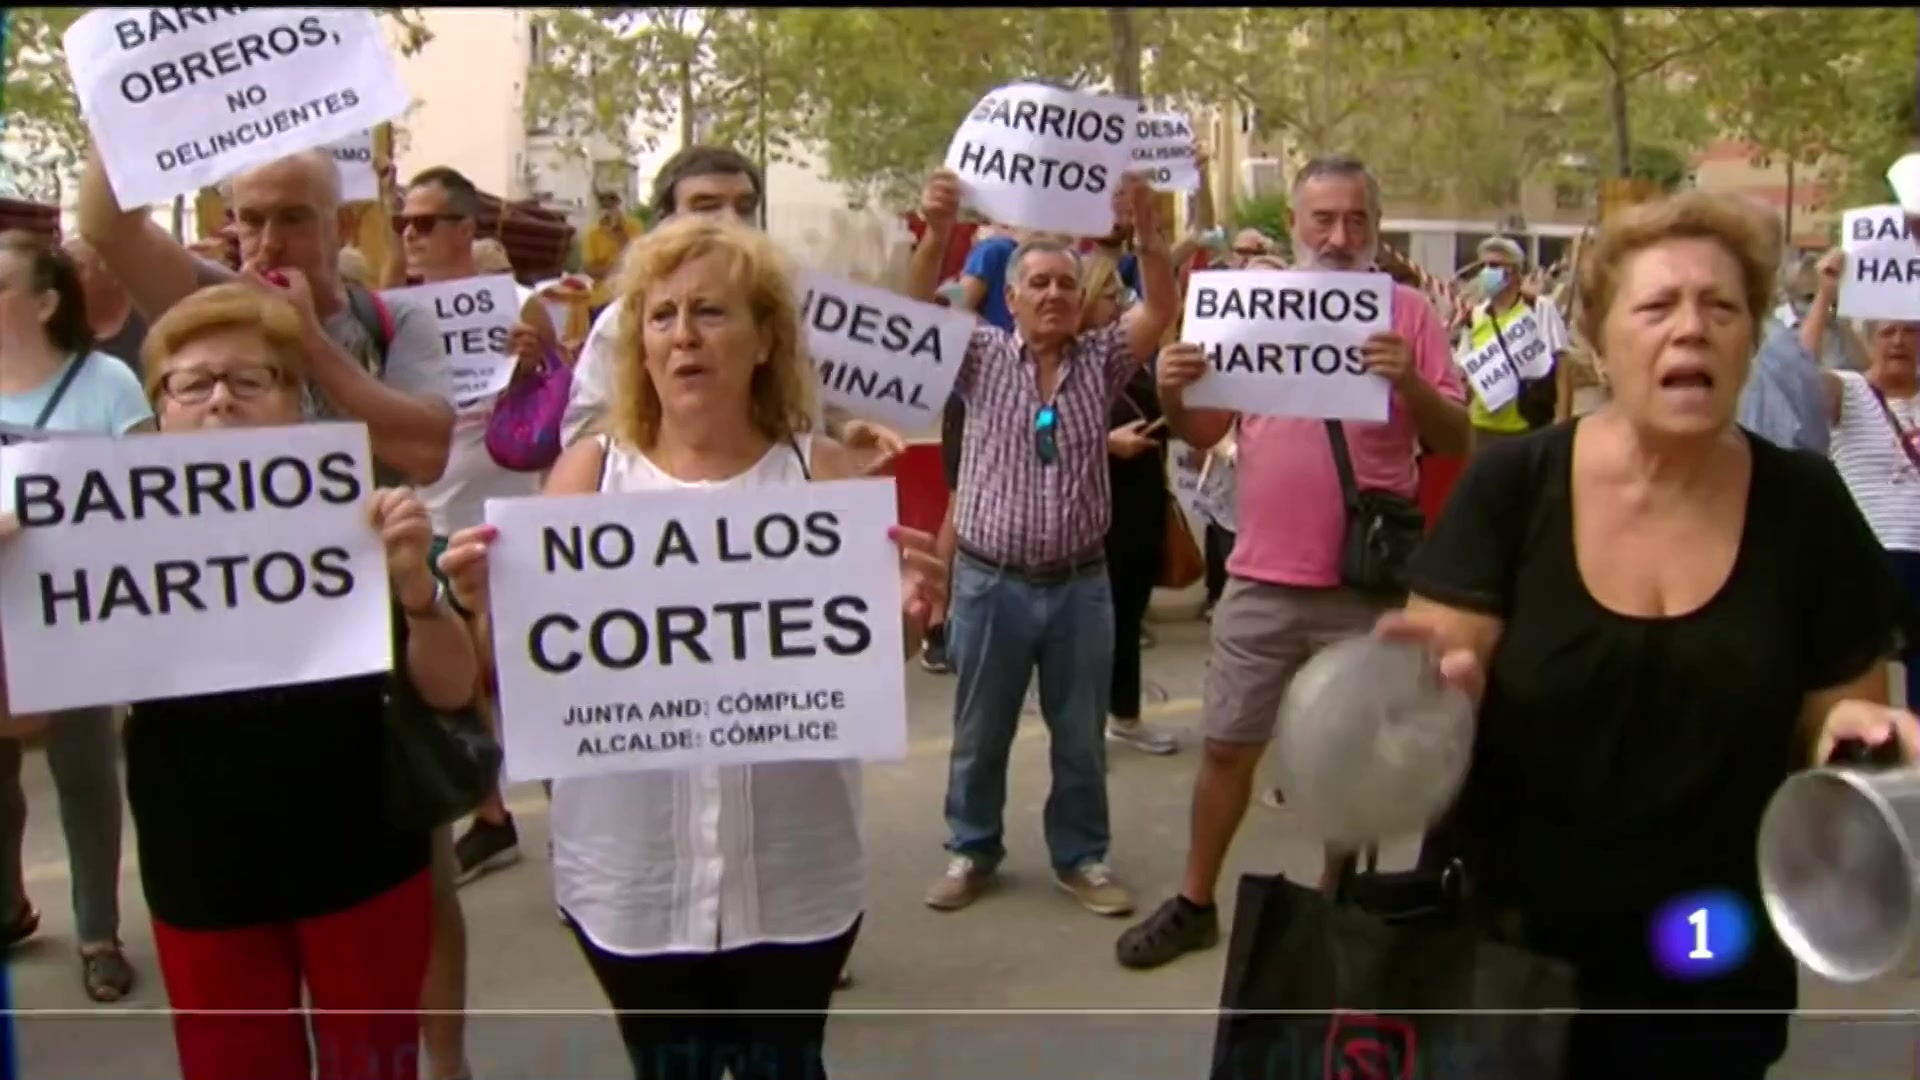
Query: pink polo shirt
[1291,513]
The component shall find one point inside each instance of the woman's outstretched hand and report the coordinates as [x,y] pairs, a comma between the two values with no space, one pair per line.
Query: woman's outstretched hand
[1459,668]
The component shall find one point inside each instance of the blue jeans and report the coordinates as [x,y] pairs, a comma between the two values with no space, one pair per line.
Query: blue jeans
[999,629]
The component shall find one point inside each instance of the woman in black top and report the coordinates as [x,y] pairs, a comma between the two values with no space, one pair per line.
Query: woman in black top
[1136,530]
[1671,616]
[267,856]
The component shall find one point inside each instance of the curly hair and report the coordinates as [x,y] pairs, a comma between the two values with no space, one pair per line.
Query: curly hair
[783,388]
[1734,225]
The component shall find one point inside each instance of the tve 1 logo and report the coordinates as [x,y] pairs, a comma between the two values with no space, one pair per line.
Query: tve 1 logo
[1702,935]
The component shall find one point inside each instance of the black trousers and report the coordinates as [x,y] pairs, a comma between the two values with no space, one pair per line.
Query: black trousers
[1219,546]
[1134,553]
[793,982]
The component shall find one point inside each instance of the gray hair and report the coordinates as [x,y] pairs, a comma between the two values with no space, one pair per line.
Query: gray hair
[1505,245]
[1341,167]
[1044,246]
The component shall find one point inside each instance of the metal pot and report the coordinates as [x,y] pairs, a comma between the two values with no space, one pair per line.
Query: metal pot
[1371,744]
[1838,873]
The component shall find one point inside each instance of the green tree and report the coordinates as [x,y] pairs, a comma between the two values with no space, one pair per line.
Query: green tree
[1268,214]
[43,121]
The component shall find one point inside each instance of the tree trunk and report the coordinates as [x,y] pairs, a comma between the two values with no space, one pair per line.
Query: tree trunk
[760,103]
[687,127]
[1617,95]
[1126,53]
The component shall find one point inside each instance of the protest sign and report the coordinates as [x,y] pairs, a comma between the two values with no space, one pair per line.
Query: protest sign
[879,355]
[1518,350]
[1163,150]
[354,155]
[182,98]
[1882,279]
[674,629]
[1287,342]
[12,434]
[170,565]
[476,316]
[1042,158]
[1203,484]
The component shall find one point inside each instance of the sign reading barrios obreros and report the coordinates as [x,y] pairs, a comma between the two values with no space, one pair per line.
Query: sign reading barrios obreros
[882,356]
[1287,342]
[673,629]
[182,98]
[162,566]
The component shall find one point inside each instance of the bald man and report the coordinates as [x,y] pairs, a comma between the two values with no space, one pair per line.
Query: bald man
[118,330]
[1248,245]
[288,217]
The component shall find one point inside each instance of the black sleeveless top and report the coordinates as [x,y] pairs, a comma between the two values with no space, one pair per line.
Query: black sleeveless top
[1622,763]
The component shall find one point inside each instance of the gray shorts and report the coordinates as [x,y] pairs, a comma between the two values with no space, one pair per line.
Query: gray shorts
[1262,634]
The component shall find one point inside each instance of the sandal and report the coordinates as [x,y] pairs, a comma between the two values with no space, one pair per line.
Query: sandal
[21,927]
[105,972]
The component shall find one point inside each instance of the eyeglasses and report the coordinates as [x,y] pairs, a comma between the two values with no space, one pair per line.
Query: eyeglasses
[1249,252]
[1046,434]
[195,387]
[423,224]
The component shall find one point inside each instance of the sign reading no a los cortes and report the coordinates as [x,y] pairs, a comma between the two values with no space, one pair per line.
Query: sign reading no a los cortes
[1287,342]
[1040,158]
[879,355]
[181,98]
[674,629]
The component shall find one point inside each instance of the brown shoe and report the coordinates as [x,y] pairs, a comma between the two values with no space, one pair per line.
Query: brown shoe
[1094,886]
[960,886]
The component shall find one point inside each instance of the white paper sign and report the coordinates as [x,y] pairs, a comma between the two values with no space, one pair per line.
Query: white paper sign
[1519,347]
[675,629]
[1204,484]
[1042,158]
[1883,265]
[354,155]
[476,316]
[14,434]
[182,98]
[879,355]
[1163,150]
[1287,342]
[168,565]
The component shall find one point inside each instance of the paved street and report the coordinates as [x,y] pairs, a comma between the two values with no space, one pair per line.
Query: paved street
[1023,949]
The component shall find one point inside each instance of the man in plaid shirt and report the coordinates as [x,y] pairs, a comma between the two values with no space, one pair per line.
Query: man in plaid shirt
[1031,510]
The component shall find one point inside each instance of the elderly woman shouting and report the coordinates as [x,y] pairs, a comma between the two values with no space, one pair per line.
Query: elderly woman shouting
[731,895]
[1660,616]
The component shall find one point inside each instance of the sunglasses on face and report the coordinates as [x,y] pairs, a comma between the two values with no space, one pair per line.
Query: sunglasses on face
[1046,434]
[422,224]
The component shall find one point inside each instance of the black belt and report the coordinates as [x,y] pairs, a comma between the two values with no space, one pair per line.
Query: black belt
[1049,573]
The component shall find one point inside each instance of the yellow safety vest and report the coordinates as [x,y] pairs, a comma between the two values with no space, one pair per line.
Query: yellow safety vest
[1507,420]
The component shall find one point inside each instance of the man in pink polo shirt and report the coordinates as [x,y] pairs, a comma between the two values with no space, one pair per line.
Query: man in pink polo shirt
[1284,599]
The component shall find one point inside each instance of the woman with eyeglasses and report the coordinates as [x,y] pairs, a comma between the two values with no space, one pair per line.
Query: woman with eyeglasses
[275,878]
[1136,533]
[52,379]
[730,895]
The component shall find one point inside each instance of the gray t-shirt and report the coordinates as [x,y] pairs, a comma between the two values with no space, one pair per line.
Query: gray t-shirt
[415,362]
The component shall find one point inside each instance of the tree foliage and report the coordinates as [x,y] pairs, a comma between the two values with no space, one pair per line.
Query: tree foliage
[46,134]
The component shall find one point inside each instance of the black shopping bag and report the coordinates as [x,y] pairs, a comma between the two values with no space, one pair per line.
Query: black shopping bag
[1359,988]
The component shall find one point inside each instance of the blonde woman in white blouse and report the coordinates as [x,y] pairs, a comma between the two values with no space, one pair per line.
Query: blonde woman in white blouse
[720,888]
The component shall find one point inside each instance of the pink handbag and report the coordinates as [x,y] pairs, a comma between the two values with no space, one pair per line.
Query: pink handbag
[523,434]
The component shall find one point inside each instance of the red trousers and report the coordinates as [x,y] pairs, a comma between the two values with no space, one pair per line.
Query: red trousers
[362,969]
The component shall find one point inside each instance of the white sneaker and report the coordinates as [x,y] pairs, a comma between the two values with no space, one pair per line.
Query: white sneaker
[1137,734]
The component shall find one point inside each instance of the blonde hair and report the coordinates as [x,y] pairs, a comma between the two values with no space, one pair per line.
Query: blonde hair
[782,393]
[490,255]
[1739,229]
[225,307]
[1099,280]
[354,268]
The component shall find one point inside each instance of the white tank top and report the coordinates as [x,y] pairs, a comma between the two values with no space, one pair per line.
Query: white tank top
[710,858]
[1877,471]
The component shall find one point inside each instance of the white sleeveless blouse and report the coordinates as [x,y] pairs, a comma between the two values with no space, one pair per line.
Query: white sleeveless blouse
[712,858]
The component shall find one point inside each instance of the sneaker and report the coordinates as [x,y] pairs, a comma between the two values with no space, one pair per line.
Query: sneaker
[1094,886]
[1137,734]
[1273,799]
[1174,929]
[933,657]
[960,886]
[486,847]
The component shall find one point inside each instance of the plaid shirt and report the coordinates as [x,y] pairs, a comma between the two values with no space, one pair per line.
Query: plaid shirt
[1012,507]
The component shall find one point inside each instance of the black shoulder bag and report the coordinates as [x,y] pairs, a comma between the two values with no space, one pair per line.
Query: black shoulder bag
[1383,528]
[439,765]
[1537,397]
